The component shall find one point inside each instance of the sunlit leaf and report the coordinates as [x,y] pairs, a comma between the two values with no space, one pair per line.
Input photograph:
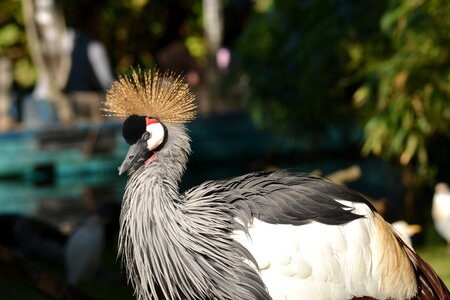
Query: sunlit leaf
[138,4]
[196,46]
[422,155]
[9,35]
[410,149]
[360,96]
[25,73]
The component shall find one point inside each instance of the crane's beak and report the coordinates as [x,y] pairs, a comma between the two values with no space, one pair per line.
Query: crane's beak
[135,152]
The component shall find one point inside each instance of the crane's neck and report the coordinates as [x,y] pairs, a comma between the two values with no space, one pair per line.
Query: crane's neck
[150,212]
[152,192]
[149,209]
[181,248]
[152,189]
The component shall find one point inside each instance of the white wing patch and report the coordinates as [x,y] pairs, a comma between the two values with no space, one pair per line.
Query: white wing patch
[318,261]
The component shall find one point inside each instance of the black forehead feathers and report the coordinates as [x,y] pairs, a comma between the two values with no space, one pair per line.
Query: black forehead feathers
[133,128]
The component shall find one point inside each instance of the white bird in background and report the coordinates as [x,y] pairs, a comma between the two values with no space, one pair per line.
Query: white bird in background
[440,210]
[267,235]
[407,230]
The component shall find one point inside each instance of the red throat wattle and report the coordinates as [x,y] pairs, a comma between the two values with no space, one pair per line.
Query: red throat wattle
[151,159]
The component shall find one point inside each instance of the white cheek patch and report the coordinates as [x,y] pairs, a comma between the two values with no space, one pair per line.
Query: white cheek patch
[156,131]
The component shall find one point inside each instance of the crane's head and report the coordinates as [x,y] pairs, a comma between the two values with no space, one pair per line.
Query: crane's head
[165,97]
[146,136]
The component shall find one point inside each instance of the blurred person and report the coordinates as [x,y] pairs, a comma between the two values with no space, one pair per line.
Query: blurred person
[91,70]
[90,73]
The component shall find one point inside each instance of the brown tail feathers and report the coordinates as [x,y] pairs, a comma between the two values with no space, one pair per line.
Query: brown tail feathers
[430,286]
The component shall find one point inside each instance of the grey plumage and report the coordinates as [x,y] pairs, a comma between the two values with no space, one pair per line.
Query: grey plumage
[181,246]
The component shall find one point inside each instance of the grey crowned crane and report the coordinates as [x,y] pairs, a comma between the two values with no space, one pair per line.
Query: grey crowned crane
[267,235]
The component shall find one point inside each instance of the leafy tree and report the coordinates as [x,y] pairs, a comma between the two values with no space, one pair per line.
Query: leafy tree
[405,97]
[297,64]
[303,62]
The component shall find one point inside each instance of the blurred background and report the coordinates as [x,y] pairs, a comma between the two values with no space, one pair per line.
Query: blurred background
[358,91]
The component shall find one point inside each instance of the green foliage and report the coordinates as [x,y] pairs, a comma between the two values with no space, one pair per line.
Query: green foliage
[405,97]
[133,31]
[13,42]
[437,257]
[136,30]
[9,36]
[304,61]
[11,26]
[297,60]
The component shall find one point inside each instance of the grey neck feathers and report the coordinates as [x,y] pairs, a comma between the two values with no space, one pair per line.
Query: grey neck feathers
[150,209]
[176,248]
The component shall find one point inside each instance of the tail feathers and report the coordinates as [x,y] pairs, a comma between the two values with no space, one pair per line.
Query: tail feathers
[429,285]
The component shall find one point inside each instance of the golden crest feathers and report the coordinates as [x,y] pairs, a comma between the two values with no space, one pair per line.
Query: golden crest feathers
[164,96]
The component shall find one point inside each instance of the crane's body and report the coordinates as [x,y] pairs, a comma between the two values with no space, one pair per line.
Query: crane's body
[319,261]
[267,235]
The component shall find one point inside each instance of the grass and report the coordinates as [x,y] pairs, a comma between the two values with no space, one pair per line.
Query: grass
[438,256]
[13,290]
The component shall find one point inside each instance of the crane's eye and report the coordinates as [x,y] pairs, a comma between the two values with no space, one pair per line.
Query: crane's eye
[156,135]
[146,136]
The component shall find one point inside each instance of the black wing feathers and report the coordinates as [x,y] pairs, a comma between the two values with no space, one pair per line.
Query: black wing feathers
[284,198]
